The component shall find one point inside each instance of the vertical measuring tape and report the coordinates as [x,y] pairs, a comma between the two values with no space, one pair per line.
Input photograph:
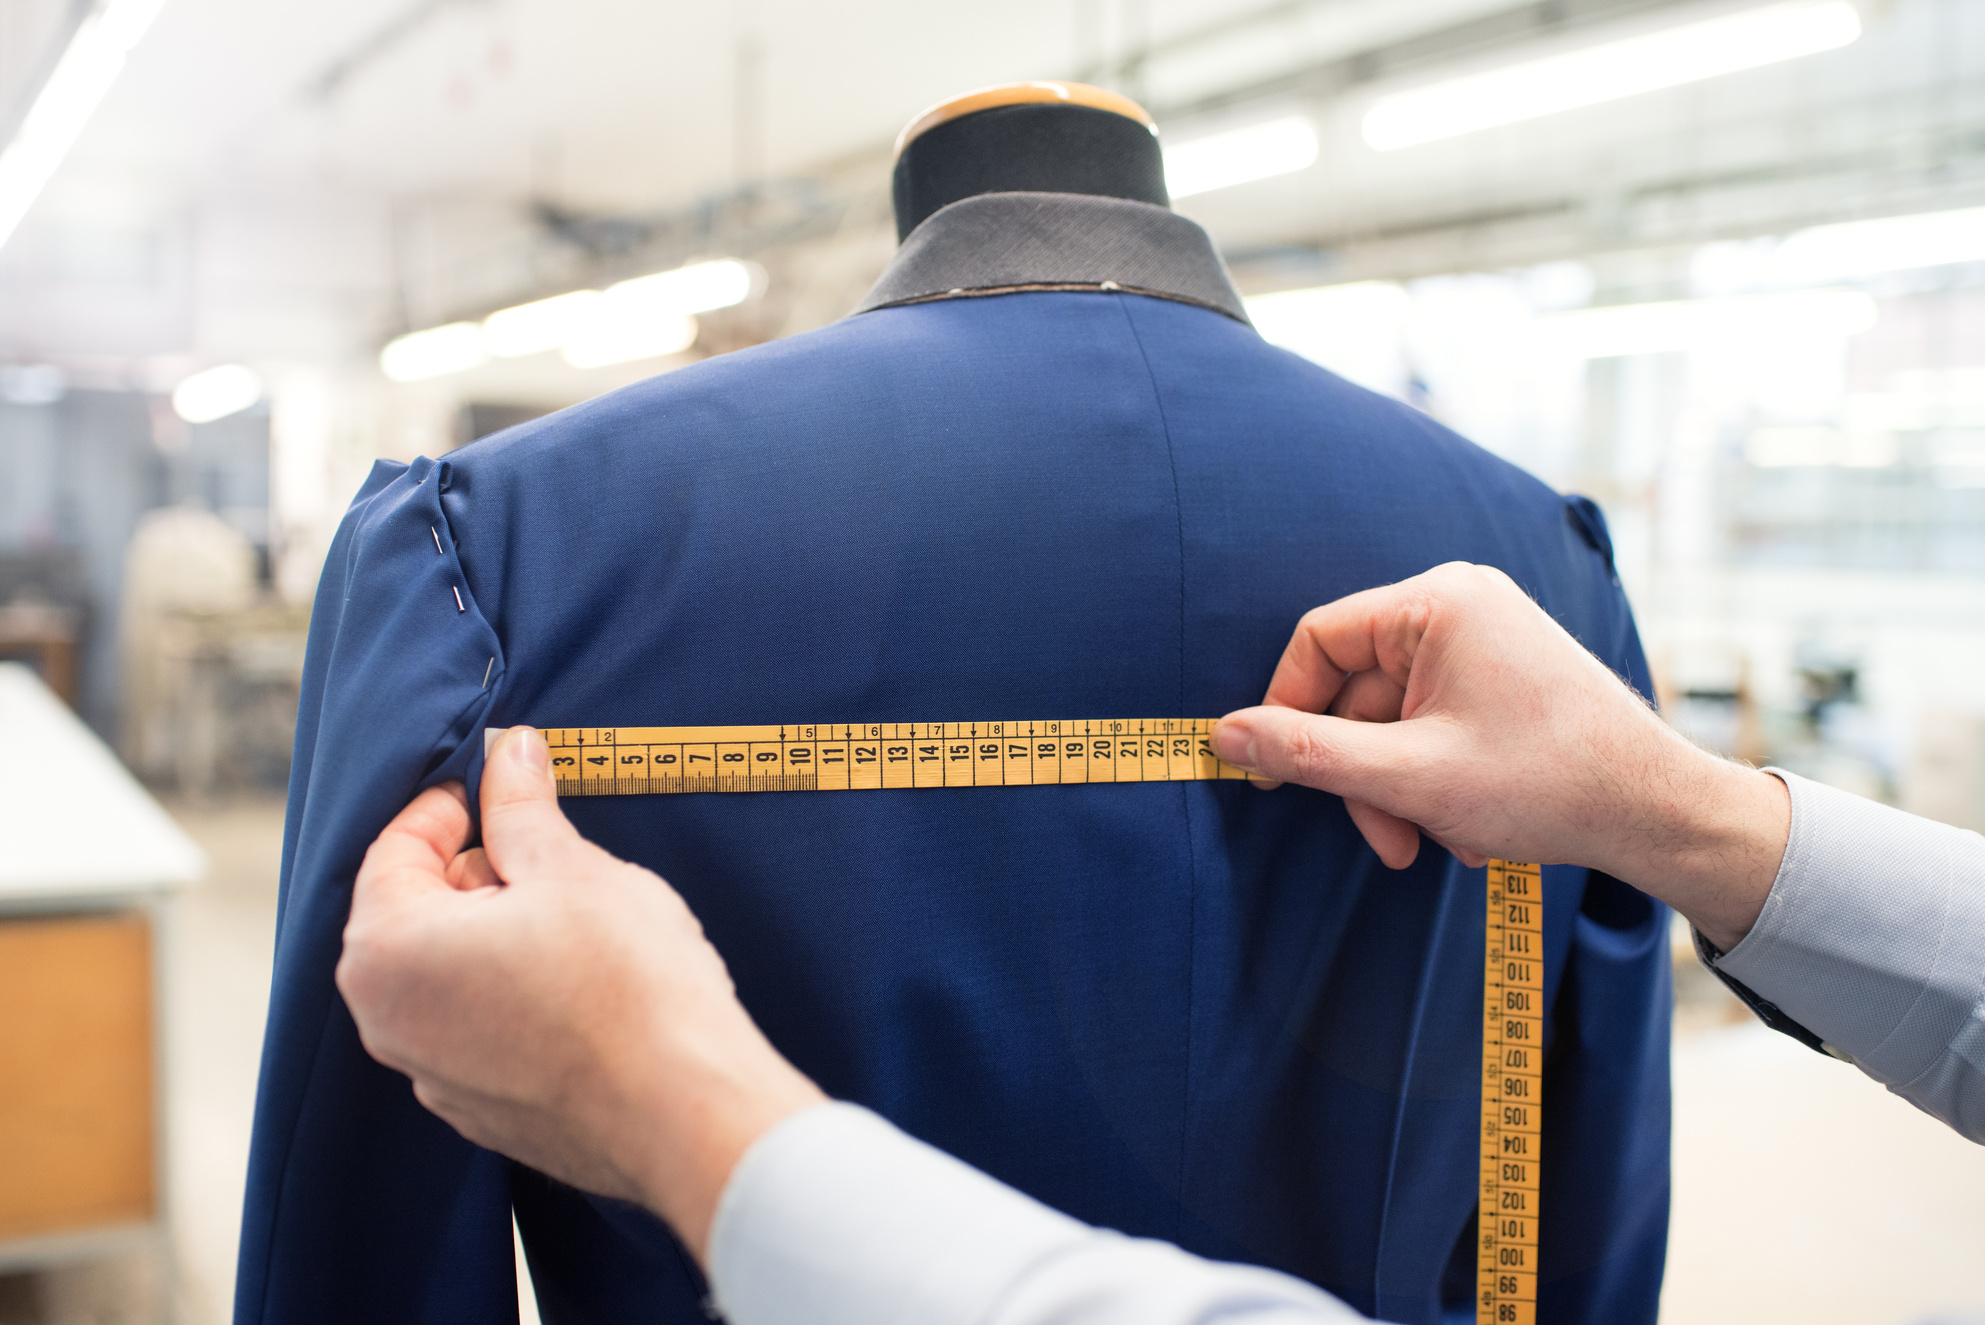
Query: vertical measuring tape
[640,761]
[1512,1096]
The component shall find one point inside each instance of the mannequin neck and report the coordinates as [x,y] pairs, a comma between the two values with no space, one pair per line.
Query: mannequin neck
[1033,148]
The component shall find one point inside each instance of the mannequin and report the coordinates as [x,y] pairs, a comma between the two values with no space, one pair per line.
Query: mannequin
[1045,467]
[1027,138]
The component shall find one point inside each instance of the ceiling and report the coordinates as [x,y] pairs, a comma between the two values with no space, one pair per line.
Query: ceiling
[281,181]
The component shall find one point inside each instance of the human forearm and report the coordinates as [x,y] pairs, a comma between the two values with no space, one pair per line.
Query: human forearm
[1702,834]
[693,1112]
[1860,925]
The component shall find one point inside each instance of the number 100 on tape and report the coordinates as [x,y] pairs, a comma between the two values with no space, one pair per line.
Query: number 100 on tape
[638,761]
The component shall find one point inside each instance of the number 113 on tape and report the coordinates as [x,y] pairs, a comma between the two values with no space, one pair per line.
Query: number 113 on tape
[1512,1096]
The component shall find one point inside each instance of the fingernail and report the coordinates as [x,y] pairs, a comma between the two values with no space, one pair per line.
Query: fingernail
[529,750]
[1233,741]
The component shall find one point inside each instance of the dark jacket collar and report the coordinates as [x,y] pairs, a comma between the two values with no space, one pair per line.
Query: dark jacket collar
[1004,243]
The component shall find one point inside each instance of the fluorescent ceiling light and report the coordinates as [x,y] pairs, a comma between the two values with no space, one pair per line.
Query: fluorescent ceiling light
[628,333]
[1292,314]
[1922,403]
[1610,71]
[32,384]
[643,318]
[1965,384]
[701,287]
[1239,156]
[89,65]
[536,327]
[1690,324]
[216,393]
[1893,243]
[1789,448]
[1698,324]
[1356,330]
[434,352]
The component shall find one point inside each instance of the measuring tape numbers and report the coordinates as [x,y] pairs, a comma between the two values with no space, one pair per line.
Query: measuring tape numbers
[1512,1096]
[648,761]
[645,761]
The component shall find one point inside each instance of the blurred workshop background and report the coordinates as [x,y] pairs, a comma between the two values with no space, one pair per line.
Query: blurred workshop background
[1719,265]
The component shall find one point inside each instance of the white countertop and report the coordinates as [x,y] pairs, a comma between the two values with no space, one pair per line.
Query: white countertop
[74,824]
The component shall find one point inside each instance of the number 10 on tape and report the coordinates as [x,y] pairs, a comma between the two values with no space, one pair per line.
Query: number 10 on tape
[1512,1096]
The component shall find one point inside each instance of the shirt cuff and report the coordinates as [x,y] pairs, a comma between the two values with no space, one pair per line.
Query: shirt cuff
[1873,935]
[834,1217]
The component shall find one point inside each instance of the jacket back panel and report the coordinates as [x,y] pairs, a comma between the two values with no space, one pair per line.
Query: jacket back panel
[1193,1011]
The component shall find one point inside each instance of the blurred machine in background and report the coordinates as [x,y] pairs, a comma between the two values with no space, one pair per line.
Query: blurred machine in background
[135,578]
[44,617]
[212,660]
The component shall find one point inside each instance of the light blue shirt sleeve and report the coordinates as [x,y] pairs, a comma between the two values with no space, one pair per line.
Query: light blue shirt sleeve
[1873,939]
[835,1217]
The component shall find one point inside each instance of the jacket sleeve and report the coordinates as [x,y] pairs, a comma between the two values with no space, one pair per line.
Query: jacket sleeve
[360,1204]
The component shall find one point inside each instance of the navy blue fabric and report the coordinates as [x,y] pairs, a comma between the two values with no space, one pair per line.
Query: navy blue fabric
[1193,1011]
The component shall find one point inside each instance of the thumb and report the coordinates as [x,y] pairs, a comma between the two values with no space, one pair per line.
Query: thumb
[1360,761]
[523,830]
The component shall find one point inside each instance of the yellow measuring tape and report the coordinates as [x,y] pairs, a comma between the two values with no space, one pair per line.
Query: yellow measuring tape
[642,761]
[1512,1096]
[637,761]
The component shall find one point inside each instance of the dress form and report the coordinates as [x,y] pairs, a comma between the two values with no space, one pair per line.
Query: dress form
[1027,138]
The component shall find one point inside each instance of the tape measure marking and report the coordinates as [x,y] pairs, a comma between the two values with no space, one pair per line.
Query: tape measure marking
[646,761]
[1512,1096]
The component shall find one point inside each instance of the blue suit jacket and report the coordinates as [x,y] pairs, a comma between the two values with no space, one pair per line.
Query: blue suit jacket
[1193,1011]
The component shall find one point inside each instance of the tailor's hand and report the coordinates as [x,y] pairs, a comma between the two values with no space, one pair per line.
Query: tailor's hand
[555,1003]
[1452,704]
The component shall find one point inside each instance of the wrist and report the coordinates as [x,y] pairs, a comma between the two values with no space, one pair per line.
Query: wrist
[692,1123]
[1705,835]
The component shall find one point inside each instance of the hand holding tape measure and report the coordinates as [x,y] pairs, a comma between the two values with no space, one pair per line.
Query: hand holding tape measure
[1419,703]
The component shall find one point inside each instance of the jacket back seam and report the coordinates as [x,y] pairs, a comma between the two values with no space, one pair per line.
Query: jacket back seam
[1185,796]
